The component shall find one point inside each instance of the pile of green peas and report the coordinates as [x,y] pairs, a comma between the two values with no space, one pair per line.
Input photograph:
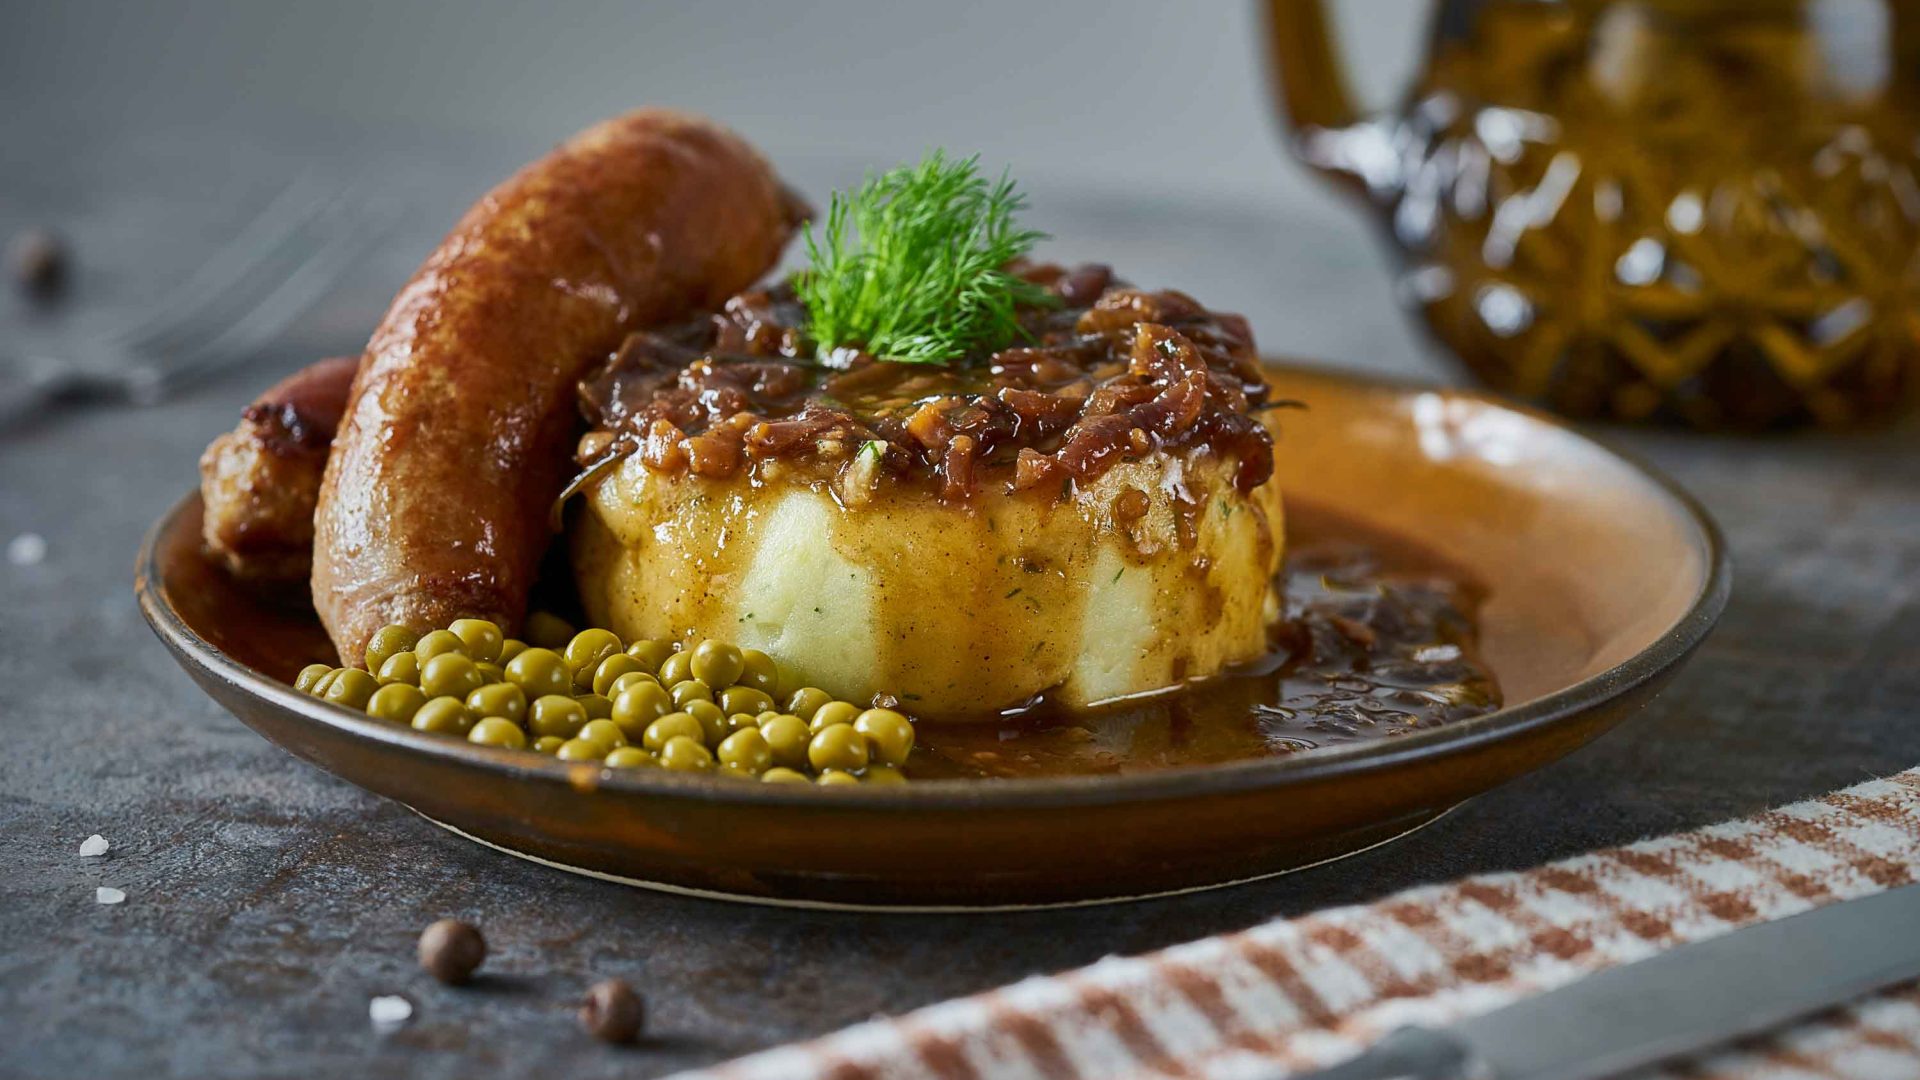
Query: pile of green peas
[587,696]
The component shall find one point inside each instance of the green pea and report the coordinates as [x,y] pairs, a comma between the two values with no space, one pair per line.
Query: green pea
[450,675]
[785,681]
[546,630]
[547,744]
[787,736]
[650,653]
[741,721]
[321,684]
[401,668]
[491,673]
[836,776]
[588,650]
[483,639]
[503,700]
[580,750]
[630,757]
[352,688]
[833,712]
[838,746]
[676,668]
[691,690]
[611,669]
[746,749]
[782,775]
[631,679]
[509,649]
[598,706]
[639,705]
[713,722]
[498,731]
[439,643]
[717,663]
[309,675]
[604,732]
[744,699]
[758,671]
[556,714]
[889,732]
[806,701]
[387,641]
[883,776]
[669,727]
[539,672]
[396,702]
[443,716]
[684,754]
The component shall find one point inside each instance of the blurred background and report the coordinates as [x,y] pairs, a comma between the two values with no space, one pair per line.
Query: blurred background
[1064,90]
[1151,159]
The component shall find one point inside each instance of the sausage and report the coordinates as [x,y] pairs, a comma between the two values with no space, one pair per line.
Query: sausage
[259,482]
[435,501]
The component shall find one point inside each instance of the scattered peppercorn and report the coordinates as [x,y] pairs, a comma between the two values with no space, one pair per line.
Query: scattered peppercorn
[452,951]
[38,261]
[612,1011]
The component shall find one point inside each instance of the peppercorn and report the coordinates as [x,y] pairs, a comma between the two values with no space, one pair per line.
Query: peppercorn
[452,951]
[38,261]
[612,1011]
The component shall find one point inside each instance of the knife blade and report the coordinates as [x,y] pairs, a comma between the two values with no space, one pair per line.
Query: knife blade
[1686,999]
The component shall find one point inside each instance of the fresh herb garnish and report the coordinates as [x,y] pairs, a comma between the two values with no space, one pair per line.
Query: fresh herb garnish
[911,265]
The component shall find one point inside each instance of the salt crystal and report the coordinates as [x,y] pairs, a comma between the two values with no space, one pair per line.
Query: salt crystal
[27,549]
[389,1011]
[93,846]
[104,895]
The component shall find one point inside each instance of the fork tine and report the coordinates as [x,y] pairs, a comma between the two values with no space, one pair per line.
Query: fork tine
[291,297]
[252,279]
[291,207]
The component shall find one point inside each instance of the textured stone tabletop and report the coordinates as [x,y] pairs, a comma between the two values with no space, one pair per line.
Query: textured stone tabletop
[267,903]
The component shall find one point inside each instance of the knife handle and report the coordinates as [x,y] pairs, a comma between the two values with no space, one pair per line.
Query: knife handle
[1408,1053]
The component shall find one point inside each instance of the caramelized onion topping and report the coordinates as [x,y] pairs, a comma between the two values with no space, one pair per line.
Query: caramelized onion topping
[1113,375]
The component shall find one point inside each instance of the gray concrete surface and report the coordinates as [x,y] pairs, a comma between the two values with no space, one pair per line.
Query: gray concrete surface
[267,902]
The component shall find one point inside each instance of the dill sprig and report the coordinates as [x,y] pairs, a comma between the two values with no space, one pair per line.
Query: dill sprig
[911,265]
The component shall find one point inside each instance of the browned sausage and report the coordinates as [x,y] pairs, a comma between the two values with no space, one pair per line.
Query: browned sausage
[436,498]
[259,481]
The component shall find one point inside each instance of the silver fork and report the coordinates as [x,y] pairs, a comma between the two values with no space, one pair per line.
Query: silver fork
[276,268]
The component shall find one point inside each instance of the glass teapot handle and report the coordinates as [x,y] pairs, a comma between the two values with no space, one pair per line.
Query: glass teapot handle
[1310,87]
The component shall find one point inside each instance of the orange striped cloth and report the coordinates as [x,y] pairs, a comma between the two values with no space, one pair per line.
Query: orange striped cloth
[1299,993]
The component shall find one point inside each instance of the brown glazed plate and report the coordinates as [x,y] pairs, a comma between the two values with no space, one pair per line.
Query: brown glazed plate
[1601,577]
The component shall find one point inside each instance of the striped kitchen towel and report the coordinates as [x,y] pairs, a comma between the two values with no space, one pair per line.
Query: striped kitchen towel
[1299,993]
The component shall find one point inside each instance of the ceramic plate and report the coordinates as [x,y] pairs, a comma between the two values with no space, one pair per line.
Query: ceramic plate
[1601,578]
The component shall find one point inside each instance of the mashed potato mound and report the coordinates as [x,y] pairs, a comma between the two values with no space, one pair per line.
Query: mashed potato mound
[1158,572]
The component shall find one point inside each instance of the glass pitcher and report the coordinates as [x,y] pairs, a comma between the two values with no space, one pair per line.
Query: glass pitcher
[1697,210]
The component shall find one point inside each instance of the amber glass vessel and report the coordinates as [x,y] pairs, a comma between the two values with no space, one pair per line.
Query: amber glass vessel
[1697,210]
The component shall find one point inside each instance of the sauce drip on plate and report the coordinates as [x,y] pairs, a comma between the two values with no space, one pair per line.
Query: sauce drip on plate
[1379,640]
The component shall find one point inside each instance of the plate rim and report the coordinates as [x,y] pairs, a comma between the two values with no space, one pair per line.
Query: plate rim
[800,903]
[1671,648]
